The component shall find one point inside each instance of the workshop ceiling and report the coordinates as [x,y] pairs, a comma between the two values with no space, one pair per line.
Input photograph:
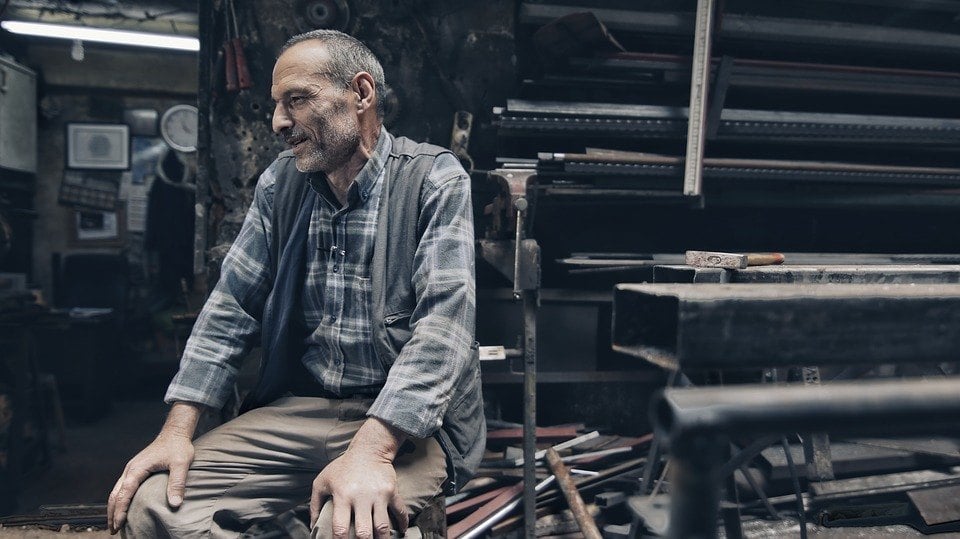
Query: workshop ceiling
[161,16]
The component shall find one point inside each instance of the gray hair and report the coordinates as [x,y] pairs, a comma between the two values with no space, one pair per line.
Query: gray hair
[348,56]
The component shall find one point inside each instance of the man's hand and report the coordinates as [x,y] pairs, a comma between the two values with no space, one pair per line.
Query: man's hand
[363,484]
[172,450]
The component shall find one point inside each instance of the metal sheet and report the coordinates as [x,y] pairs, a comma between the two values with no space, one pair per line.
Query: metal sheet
[937,505]
[814,274]
[709,326]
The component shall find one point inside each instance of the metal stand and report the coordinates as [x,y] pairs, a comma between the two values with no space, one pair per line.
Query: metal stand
[519,260]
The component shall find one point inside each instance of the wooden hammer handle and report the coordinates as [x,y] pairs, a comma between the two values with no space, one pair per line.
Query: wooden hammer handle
[764,259]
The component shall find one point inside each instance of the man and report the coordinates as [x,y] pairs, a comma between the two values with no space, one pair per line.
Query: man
[355,266]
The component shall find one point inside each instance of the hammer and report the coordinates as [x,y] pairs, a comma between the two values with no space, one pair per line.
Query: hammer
[712,259]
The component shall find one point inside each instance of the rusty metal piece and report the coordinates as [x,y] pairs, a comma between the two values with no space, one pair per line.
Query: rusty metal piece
[937,505]
[493,512]
[473,502]
[587,526]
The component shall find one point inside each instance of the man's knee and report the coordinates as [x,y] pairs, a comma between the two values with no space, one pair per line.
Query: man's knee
[149,504]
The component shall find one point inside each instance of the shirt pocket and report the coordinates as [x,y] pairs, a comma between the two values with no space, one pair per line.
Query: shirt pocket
[359,303]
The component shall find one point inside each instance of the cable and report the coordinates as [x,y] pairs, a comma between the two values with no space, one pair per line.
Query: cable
[760,493]
[796,487]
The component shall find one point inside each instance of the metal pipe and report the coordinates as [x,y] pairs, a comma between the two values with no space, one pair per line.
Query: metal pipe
[530,307]
[861,407]
[498,516]
[587,526]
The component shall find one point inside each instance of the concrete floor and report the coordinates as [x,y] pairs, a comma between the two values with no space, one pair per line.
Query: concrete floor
[84,472]
[94,456]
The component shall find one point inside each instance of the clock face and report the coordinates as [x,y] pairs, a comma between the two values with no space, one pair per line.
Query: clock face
[179,127]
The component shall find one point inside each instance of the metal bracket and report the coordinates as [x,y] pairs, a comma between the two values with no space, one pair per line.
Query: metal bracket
[514,185]
[502,256]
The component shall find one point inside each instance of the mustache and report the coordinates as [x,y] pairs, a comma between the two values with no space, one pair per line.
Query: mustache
[291,135]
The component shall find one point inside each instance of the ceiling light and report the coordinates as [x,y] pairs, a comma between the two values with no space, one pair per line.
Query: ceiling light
[101,35]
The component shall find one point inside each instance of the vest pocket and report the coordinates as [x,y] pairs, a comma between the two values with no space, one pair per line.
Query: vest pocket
[397,326]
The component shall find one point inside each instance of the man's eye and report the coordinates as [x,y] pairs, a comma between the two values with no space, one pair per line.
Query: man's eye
[294,100]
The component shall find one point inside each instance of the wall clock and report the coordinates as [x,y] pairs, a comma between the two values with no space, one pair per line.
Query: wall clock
[178,126]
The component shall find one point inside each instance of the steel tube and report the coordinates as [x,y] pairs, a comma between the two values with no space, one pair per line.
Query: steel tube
[531,305]
[848,408]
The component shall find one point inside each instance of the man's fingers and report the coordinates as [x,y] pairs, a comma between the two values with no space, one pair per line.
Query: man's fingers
[341,520]
[129,484]
[362,522]
[399,510]
[318,497]
[112,504]
[381,521]
[176,484]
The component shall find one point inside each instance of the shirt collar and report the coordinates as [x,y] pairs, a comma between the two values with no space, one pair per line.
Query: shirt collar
[366,180]
[368,176]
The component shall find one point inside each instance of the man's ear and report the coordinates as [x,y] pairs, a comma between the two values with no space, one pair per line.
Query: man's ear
[366,90]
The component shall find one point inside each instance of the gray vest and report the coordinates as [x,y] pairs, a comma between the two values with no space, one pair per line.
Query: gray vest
[463,434]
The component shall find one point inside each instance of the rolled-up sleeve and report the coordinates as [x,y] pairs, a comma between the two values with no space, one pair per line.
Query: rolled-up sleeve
[421,381]
[229,323]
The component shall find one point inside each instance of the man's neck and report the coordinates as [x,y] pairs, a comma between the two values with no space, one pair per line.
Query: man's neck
[341,178]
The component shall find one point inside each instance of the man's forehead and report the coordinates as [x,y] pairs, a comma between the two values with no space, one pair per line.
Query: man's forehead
[309,55]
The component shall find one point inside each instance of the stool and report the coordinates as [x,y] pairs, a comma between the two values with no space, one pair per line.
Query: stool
[432,520]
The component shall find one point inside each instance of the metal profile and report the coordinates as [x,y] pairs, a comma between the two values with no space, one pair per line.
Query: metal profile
[723,326]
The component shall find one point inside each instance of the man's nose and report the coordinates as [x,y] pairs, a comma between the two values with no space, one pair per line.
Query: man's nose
[280,119]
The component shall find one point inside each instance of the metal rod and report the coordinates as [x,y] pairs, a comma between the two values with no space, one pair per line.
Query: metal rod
[530,307]
[498,516]
[587,526]
[699,89]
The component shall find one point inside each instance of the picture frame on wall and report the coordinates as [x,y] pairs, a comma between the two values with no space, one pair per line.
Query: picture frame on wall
[98,146]
[98,228]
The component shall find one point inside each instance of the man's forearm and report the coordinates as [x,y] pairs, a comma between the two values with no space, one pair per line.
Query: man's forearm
[182,419]
[377,437]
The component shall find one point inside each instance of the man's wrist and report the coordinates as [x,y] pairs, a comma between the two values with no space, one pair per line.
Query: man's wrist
[378,438]
[181,420]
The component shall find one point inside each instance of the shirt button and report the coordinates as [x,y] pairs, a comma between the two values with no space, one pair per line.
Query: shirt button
[343,253]
[336,269]
[333,318]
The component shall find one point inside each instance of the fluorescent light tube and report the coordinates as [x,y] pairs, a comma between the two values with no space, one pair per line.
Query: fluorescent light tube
[102,35]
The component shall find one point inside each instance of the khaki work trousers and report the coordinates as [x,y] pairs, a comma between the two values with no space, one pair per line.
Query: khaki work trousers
[263,463]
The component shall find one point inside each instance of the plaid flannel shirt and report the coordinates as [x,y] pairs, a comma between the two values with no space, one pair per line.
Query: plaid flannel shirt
[338,302]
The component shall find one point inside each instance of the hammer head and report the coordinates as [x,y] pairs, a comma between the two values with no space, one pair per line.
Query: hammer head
[713,259]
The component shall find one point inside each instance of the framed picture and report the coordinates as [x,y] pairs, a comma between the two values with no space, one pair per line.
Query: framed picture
[98,228]
[98,146]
